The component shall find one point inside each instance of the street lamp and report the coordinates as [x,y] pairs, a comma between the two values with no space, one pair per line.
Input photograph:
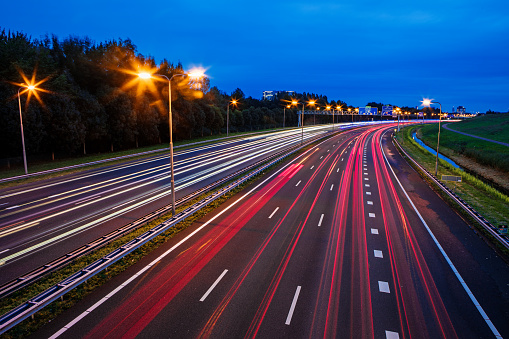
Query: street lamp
[233,102]
[428,103]
[194,74]
[284,114]
[296,103]
[27,88]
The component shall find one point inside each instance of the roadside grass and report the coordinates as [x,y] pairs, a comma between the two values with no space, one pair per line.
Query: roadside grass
[483,152]
[491,126]
[489,202]
[50,312]
[159,149]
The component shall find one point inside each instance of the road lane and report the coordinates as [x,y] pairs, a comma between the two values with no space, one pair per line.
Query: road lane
[368,270]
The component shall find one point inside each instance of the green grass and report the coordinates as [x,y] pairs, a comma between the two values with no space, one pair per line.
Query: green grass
[492,204]
[491,126]
[482,152]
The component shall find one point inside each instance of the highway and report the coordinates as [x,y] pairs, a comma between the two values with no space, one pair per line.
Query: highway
[333,244]
[46,219]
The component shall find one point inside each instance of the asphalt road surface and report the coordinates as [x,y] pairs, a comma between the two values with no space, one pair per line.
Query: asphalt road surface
[44,220]
[329,245]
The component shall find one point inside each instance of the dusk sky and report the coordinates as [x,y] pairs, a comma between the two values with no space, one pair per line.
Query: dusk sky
[395,52]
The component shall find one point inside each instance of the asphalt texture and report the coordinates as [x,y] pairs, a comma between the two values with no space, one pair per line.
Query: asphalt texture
[327,245]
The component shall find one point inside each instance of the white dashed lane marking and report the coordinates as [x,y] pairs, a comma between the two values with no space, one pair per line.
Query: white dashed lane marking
[374,231]
[378,254]
[270,217]
[383,286]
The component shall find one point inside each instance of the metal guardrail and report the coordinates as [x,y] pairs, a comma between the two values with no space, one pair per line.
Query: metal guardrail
[30,277]
[32,306]
[504,240]
[60,169]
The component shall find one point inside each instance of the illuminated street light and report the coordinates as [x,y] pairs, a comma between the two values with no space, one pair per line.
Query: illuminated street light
[196,74]
[233,102]
[296,103]
[428,103]
[284,114]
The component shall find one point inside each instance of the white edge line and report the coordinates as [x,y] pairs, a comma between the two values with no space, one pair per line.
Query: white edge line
[462,282]
[292,308]
[213,285]
[154,262]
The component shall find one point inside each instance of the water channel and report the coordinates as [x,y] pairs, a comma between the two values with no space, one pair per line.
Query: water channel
[429,149]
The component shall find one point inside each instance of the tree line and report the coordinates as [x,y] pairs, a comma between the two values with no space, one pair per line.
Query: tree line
[92,100]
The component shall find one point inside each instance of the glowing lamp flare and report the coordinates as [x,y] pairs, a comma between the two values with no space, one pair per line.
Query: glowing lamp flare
[427,102]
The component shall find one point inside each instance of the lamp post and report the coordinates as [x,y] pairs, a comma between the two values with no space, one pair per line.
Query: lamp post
[197,74]
[428,102]
[30,88]
[296,103]
[284,114]
[233,102]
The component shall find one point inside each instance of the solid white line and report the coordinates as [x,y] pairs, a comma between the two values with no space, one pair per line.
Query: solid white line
[320,222]
[391,335]
[213,285]
[374,231]
[378,254]
[292,308]
[298,183]
[383,286]
[451,265]
[270,216]
[331,187]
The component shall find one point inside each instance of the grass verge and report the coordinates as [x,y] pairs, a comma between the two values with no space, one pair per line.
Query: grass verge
[489,202]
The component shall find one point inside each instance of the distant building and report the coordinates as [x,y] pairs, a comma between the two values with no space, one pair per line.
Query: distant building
[461,110]
[271,95]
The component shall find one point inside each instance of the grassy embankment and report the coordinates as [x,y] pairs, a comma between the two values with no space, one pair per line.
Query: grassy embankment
[488,201]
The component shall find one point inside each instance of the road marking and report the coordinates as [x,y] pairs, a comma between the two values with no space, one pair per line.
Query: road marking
[367,185]
[292,308]
[369,202]
[374,231]
[383,286]
[368,193]
[337,170]
[321,157]
[451,265]
[298,183]
[378,254]
[391,335]
[12,207]
[270,216]
[320,222]
[213,285]
[341,159]
[366,178]
[4,250]
[365,173]
[312,167]
[331,187]
[82,201]
[327,150]
[371,215]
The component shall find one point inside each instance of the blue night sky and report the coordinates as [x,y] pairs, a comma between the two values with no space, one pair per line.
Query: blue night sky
[395,52]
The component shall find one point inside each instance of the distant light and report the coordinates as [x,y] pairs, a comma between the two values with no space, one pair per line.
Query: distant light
[294,102]
[234,102]
[145,75]
[312,102]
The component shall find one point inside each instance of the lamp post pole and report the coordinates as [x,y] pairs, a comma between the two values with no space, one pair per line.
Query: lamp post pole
[22,135]
[302,125]
[438,137]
